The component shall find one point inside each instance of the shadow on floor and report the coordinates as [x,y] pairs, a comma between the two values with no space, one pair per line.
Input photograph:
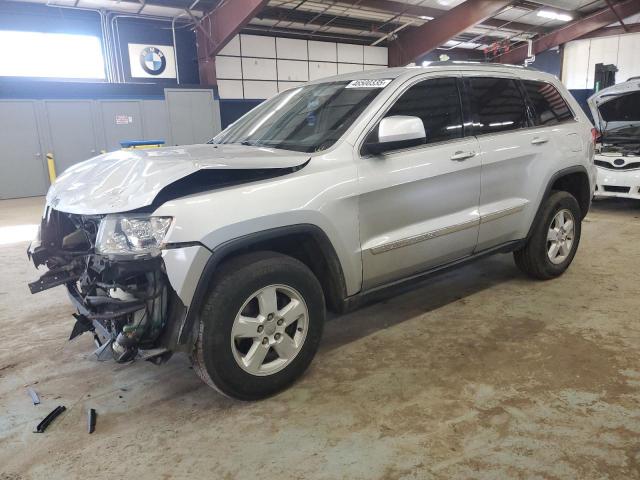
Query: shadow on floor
[430,294]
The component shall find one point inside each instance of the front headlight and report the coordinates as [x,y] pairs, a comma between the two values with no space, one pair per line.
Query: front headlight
[132,235]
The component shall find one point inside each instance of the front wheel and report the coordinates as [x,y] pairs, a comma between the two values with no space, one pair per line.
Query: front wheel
[260,326]
[555,238]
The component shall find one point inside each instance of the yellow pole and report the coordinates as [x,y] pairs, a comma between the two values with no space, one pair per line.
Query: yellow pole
[51,164]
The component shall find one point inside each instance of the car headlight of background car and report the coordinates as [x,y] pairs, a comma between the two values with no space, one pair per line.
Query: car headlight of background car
[132,235]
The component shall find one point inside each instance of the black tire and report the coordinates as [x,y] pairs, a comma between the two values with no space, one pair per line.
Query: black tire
[533,258]
[213,358]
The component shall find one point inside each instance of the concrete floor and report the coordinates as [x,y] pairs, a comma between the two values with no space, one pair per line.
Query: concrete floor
[480,373]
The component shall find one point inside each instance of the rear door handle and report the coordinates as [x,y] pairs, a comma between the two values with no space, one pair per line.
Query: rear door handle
[460,155]
[539,140]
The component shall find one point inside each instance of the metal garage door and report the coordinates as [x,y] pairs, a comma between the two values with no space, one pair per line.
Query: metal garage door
[194,115]
[156,121]
[72,131]
[22,168]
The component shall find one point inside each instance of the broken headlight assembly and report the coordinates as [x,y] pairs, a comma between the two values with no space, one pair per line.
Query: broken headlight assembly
[135,236]
[115,276]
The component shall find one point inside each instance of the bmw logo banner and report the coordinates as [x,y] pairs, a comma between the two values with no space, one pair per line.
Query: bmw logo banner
[152,61]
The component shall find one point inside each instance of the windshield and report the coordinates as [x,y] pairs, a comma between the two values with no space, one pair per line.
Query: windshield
[305,119]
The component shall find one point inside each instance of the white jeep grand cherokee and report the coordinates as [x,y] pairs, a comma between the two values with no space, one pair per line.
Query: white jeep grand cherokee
[323,195]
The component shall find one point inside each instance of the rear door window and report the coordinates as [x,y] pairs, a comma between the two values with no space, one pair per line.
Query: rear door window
[497,105]
[549,108]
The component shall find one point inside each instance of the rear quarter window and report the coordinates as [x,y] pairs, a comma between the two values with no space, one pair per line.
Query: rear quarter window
[549,108]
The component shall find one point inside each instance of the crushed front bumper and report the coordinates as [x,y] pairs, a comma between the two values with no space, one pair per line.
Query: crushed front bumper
[136,307]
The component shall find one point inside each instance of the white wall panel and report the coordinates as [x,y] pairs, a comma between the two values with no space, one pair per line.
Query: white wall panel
[350,53]
[282,86]
[257,46]
[603,50]
[323,51]
[349,67]
[628,57]
[575,64]
[581,57]
[372,67]
[230,89]
[259,90]
[376,55]
[231,48]
[258,68]
[322,69]
[293,70]
[228,67]
[291,48]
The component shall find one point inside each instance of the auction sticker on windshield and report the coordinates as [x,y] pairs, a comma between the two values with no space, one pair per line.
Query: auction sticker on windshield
[368,83]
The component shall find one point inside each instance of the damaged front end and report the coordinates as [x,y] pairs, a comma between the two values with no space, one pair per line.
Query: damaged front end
[115,276]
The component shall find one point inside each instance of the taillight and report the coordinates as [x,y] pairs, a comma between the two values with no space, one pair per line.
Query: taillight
[595,135]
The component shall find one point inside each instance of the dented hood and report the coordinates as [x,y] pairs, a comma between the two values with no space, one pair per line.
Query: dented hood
[130,179]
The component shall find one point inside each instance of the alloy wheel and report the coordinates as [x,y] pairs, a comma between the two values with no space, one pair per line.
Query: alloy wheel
[269,330]
[560,236]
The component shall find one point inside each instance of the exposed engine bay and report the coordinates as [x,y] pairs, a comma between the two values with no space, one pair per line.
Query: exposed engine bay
[123,303]
[622,149]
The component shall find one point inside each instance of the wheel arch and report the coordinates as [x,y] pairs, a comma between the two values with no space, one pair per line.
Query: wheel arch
[305,242]
[574,180]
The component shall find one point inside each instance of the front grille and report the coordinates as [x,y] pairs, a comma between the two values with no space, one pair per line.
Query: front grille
[609,166]
[616,189]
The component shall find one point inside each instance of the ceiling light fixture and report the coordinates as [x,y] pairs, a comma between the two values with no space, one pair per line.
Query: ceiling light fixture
[424,17]
[563,17]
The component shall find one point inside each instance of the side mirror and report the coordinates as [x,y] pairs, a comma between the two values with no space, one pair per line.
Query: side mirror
[395,132]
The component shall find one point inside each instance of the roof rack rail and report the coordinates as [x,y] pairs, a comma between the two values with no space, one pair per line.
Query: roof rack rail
[439,63]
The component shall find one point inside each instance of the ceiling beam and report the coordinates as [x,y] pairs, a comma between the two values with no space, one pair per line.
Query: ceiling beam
[399,8]
[217,28]
[410,45]
[612,31]
[574,30]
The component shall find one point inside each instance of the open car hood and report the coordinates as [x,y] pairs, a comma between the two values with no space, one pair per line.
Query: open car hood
[127,180]
[609,94]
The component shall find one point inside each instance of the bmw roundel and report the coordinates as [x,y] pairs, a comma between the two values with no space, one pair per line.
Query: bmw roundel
[153,60]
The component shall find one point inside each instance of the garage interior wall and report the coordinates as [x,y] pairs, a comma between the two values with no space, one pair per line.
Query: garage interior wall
[258,67]
[76,129]
[581,57]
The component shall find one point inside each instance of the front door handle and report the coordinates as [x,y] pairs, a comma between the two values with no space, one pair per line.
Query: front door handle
[539,140]
[460,155]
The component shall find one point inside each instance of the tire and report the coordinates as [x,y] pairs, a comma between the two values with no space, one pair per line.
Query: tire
[534,258]
[223,355]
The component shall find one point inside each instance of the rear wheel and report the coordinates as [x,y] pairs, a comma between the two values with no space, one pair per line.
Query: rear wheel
[260,326]
[555,238]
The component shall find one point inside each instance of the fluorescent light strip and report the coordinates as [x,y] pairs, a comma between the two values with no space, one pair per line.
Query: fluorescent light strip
[563,17]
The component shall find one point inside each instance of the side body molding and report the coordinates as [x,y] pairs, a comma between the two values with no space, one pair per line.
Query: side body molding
[337,290]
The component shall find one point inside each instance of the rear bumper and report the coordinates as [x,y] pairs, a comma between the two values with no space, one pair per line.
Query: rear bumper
[623,184]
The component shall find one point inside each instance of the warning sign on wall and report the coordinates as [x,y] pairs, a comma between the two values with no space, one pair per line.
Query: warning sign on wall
[124,119]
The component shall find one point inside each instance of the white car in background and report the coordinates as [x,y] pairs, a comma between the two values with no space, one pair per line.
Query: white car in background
[616,112]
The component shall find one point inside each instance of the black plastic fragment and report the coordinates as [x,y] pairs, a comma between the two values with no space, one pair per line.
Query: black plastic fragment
[83,324]
[91,420]
[34,396]
[42,426]
[51,279]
